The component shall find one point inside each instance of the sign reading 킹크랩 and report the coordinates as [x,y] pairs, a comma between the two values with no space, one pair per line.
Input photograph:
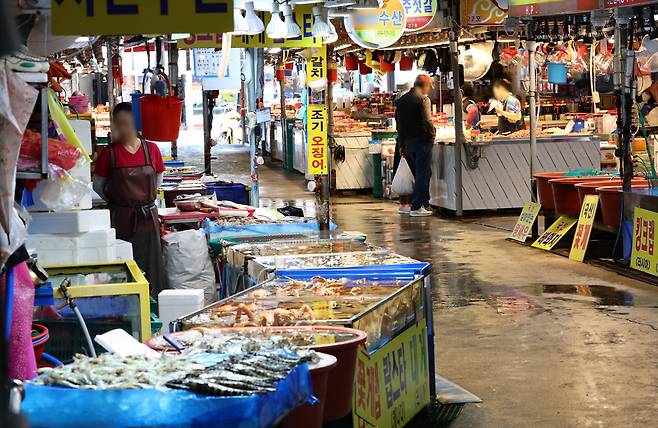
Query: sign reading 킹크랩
[117,17]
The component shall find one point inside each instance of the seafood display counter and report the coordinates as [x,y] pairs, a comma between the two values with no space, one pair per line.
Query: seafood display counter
[238,257]
[395,314]
[496,172]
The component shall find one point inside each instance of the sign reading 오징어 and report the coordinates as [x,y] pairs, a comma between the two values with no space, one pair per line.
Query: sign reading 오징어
[116,17]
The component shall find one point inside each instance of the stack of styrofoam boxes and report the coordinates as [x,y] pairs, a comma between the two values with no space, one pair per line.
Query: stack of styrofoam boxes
[173,304]
[75,237]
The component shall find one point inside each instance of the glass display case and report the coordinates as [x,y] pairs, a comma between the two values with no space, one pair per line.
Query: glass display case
[380,307]
[108,295]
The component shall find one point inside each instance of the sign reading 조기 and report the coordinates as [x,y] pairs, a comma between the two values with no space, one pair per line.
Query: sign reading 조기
[392,385]
[116,17]
[584,228]
[553,234]
[527,218]
[377,28]
[419,13]
[643,252]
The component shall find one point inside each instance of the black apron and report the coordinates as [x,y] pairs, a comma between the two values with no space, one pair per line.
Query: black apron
[131,192]
[505,126]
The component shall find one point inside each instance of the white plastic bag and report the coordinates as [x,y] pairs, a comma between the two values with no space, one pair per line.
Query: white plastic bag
[187,262]
[62,192]
[403,182]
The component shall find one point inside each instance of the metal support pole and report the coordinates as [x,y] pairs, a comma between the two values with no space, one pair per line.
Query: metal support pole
[459,123]
[110,75]
[325,180]
[625,82]
[206,134]
[284,121]
[173,78]
[532,94]
[256,55]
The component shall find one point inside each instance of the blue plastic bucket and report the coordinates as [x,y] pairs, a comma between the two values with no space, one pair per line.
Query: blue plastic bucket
[137,113]
[557,72]
[235,192]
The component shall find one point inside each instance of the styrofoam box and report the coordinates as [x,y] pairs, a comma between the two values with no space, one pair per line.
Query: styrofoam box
[90,247]
[123,250]
[173,304]
[70,222]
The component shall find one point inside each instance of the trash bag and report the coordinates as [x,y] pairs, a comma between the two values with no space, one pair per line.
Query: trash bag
[62,192]
[187,262]
[403,182]
[17,100]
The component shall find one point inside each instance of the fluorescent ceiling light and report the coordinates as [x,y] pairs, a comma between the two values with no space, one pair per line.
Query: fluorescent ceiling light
[240,24]
[320,27]
[292,29]
[276,28]
[254,22]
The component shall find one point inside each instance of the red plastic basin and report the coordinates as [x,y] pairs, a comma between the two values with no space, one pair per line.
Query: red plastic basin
[565,194]
[309,415]
[610,201]
[544,189]
[589,188]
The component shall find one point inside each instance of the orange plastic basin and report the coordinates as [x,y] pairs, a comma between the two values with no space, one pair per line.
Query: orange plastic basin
[610,201]
[544,189]
[565,194]
[589,188]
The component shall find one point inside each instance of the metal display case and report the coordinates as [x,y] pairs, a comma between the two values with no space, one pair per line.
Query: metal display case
[108,295]
[380,307]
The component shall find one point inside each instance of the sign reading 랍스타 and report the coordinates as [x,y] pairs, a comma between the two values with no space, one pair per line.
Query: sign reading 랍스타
[584,228]
[526,219]
[115,17]
[553,234]
[643,252]
[392,385]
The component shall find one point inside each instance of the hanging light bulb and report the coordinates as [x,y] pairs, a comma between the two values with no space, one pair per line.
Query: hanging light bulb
[276,28]
[332,37]
[254,23]
[320,27]
[240,24]
[292,29]
[366,4]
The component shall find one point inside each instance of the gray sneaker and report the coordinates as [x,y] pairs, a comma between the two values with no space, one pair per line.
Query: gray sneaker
[421,212]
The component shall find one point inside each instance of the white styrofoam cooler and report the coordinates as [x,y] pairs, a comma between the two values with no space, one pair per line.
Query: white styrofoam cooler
[70,222]
[174,304]
[123,250]
[89,247]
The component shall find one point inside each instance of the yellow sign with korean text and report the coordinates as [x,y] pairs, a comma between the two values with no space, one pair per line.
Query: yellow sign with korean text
[116,17]
[318,150]
[316,68]
[643,253]
[584,228]
[392,385]
[527,218]
[303,16]
[553,234]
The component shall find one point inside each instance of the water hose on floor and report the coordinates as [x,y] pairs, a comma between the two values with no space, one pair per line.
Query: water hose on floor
[64,287]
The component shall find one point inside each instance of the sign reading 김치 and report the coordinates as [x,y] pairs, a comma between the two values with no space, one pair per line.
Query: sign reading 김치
[115,17]
[584,228]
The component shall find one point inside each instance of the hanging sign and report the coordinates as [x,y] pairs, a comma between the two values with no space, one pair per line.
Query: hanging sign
[484,12]
[303,16]
[553,234]
[419,13]
[318,150]
[643,252]
[116,17]
[584,228]
[527,218]
[377,28]
[392,385]
[524,8]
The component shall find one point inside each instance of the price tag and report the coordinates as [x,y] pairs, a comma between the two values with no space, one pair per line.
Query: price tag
[584,228]
[526,219]
[553,234]
[643,255]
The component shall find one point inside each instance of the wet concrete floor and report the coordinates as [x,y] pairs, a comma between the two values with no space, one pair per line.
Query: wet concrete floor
[545,342]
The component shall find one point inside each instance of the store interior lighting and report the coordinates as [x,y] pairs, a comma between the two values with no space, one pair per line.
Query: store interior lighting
[366,4]
[320,27]
[276,28]
[240,24]
[292,29]
[255,24]
[332,4]
[332,37]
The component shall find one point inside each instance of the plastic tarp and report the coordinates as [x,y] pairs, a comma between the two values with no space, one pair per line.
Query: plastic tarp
[216,231]
[54,407]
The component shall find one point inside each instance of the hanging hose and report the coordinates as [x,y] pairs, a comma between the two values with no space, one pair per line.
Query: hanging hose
[51,360]
[64,288]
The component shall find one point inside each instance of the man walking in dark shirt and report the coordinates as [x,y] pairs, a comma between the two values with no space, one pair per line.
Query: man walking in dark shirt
[416,134]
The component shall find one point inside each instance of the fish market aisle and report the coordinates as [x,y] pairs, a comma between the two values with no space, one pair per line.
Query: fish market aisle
[539,338]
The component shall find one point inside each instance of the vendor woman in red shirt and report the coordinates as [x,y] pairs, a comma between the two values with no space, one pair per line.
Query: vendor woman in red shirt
[127,176]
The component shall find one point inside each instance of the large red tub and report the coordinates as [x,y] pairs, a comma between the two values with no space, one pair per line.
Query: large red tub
[610,201]
[544,189]
[565,194]
[589,188]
